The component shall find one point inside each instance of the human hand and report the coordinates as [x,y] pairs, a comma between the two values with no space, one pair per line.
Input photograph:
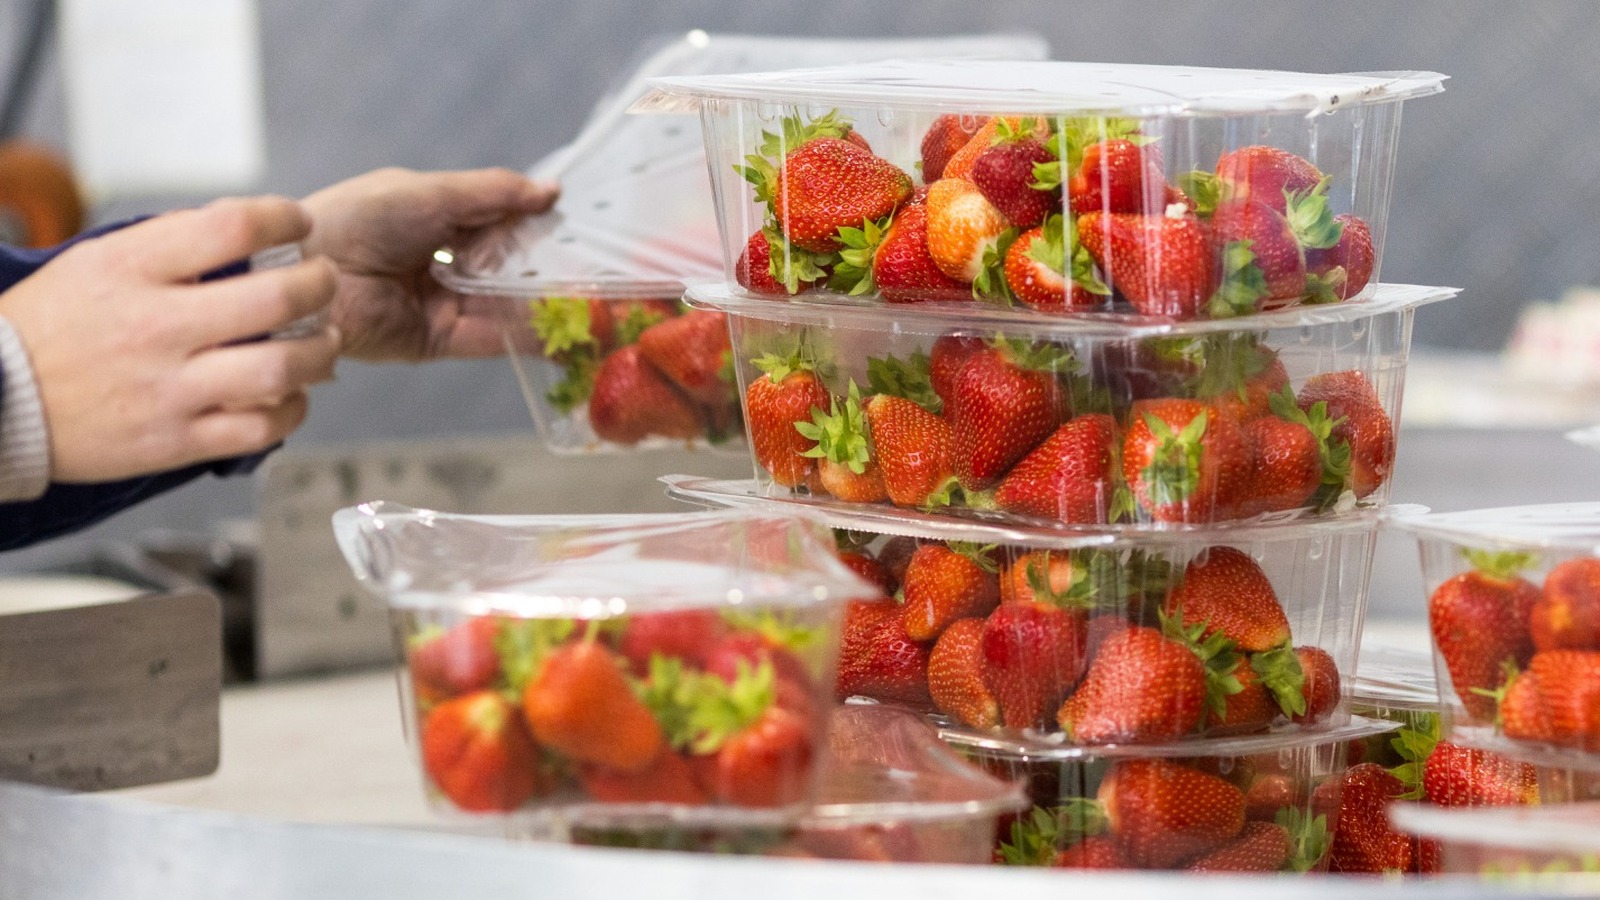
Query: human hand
[136,360]
[381,229]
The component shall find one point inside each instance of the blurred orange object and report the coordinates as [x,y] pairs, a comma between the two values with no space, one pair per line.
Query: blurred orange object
[40,205]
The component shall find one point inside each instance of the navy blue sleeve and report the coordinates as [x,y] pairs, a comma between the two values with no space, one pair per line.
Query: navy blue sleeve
[68,507]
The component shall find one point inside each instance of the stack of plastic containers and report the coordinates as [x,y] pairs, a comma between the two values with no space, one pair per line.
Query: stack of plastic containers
[1090,368]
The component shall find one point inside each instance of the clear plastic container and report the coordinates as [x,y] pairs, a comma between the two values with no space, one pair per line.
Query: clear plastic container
[1249,804]
[1547,847]
[1176,192]
[635,222]
[1514,611]
[581,670]
[1013,418]
[1098,638]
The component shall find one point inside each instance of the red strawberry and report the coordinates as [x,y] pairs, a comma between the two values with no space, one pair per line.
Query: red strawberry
[1521,712]
[947,135]
[691,350]
[579,703]
[1184,461]
[1263,265]
[902,267]
[955,676]
[1040,576]
[751,650]
[687,635]
[826,184]
[1160,263]
[669,779]
[1268,795]
[1265,174]
[946,357]
[1260,847]
[870,569]
[1250,709]
[1163,814]
[1567,686]
[1004,173]
[1341,271]
[1093,852]
[768,763]
[1567,614]
[477,752]
[1142,686]
[944,583]
[1033,653]
[845,465]
[915,451]
[1227,591]
[1003,402]
[1366,426]
[771,266]
[1363,840]
[457,661]
[961,162]
[1119,176]
[1286,467]
[964,229]
[1321,690]
[1461,776]
[877,659]
[1241,378]
[1070,477]
[784,395]
[1038,263]
[1478,622]
[632,400]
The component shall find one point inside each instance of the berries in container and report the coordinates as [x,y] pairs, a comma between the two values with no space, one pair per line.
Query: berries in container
[1553,849]
[1097,638]
[1161,191]
[1514,612]
[581,670]
[1070,422]
[1261,803]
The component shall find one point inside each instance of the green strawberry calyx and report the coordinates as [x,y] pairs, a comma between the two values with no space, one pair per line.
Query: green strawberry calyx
[699,711]
[760,168]
[1072,136]
[910,378]
[1333,454]
[982,555]
[562,324]
[1173,473]
[990,286]
[1217,653]
[1415,744]
[793,266]
[1037,837]
[1203,187]
[1243,284]
[1037,357]
[1310,217]
[1282,675]
[1081,588]
[852,275]
[522,645]
[1501,565]
[840,435]
[1309,838]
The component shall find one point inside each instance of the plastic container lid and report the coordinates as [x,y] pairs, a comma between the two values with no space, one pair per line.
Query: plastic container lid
[1553,828]
[635,219]
[823,308]
[1037,747]
[942,526]
[1552,526]
[1395,678]
[592,566]
[985,86]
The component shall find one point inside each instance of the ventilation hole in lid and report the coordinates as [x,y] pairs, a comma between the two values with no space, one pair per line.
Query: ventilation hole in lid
[672,131]
[602,204]
[639,168]
[566,239]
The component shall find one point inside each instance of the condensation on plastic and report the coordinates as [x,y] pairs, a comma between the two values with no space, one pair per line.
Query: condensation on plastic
[983,86]
[591,566]
[636,218]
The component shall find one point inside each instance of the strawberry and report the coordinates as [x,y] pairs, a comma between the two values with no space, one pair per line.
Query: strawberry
[691,350]
[632,400]
[686,634]
[769,265]
[915,451]
[1225,591]
[1363,840]
[1318,682]
[1567,614]
[1265,174]
[1263,264]
[1250,709]
[458,661]
[1461,776]
[871,570]
[1566,684]
[1184,461]
[893,260]
[783,396]
[877,659]
[1033,653]
[1286,465]
[955,675]
[1142,686]
[1003,172]
[964,230]
[1160,263]
[579,703]
[1260,847]
[1119,176]
[946,582]
[1163,814]
[961,162]
[845,467]
[1267,795]
[1037,266]
[1094,852]
[1070,477]
[1038,576]
[668,779]
[895,555]
[1003,402]
[1521,709]
[1343,270]
[1348,395]
[1071,836]
[826,184]
[947,135]
[1478,620]
[946,357]
[477,752]
[754,650]
[1238,376]
[765,764]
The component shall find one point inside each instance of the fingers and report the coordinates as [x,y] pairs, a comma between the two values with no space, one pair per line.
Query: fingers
[232,309]
[479,197]
[235,432]
[183,245]
[257,374]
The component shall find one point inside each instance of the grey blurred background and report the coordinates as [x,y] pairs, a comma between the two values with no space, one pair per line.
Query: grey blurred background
[1496,189]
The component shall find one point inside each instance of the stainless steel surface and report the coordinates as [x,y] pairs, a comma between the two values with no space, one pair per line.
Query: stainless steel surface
[112,694]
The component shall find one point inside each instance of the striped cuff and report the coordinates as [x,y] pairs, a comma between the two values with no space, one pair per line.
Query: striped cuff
[24,440]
